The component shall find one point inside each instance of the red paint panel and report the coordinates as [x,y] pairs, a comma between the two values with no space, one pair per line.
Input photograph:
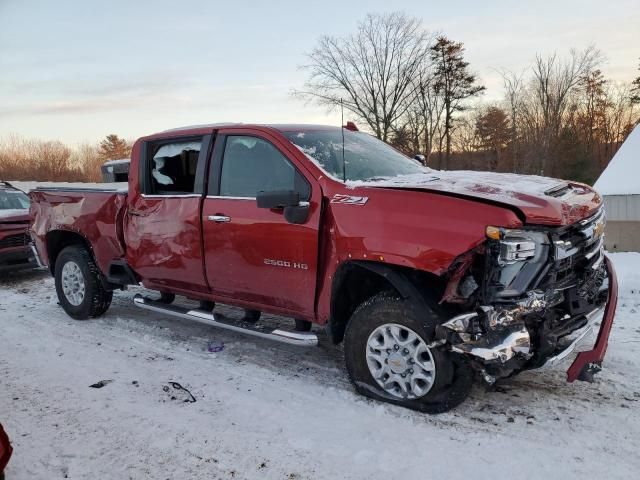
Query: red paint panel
[525,193]
[259,257]
[93,215]
[163,237]
[415,229]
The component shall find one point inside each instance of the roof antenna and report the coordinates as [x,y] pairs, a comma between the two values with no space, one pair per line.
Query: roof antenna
[344,164]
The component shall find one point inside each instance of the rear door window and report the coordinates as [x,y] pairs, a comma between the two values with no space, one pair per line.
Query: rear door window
[173,167]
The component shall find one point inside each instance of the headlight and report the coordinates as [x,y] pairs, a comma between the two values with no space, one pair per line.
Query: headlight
[517,245]
[516,259]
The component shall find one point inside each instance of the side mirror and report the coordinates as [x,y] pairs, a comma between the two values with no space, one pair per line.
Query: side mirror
[421,158]
[278,199]
[295,211]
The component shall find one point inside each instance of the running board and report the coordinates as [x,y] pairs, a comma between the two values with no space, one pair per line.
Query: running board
[304,339]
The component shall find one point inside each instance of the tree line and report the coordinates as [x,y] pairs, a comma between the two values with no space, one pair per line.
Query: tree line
[413,89]
[560,117]
[38,160]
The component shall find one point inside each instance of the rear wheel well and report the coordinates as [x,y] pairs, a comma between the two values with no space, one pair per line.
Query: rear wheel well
[357,281]
[57,240]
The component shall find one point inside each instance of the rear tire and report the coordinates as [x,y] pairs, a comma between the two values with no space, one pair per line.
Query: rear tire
[418,377]
[79,284]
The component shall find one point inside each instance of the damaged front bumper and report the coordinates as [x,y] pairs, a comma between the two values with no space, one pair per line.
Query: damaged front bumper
[590,361]
[498,340]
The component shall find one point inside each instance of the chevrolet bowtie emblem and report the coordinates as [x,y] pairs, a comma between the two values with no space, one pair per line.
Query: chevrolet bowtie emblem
[598,230]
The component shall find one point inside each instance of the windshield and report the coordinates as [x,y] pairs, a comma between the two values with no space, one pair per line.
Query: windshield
[365,157]
[13,200]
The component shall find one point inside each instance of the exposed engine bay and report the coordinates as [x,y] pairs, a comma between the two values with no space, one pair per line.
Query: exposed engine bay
[527,298]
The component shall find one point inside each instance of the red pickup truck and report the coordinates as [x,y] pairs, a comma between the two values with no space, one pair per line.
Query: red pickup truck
[430,278]
[5,451]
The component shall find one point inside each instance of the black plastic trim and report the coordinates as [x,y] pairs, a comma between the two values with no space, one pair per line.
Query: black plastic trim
[127,277]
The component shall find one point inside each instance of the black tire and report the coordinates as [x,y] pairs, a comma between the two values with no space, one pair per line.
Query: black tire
[167,298]
[251,316]
[453,378]
[96,299]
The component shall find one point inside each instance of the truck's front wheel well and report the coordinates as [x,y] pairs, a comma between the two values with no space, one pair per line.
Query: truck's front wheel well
[59,239]
[357,281]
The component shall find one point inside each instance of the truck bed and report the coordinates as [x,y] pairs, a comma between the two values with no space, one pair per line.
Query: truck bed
[94,212]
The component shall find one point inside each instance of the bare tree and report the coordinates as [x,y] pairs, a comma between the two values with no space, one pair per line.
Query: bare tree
[513,86]
[372,71]
[621,115]
[554,82]
[25,159]
[428,108]
[465,139]
[492,131]
[635,89]
[593,103]
[88,158]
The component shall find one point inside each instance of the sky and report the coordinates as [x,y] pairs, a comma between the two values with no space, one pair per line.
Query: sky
[78,70]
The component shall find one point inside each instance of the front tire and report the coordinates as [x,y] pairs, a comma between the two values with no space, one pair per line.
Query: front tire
[389,357]
[79,284]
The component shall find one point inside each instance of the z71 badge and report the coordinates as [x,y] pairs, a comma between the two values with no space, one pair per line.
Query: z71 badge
[349,199]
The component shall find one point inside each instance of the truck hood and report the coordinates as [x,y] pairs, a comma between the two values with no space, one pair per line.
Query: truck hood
[11,219]
[537,200]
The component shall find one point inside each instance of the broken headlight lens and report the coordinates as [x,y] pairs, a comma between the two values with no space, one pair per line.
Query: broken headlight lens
[517,245]
[517,257]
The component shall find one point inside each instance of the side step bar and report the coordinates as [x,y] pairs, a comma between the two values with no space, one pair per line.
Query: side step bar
[304,339]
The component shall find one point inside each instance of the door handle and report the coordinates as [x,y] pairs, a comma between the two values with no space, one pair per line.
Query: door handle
[219,218]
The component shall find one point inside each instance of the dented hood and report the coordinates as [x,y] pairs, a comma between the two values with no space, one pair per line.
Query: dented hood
[538,200]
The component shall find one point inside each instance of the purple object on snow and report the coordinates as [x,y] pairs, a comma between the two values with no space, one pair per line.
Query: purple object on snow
[214,346]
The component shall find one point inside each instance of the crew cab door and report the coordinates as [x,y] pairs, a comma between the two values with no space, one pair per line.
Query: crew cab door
[254,254]
[163,225]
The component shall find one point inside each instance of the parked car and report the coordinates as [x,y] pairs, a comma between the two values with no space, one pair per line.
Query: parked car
[430,278]
[115,171]
[5,451]
[16,250]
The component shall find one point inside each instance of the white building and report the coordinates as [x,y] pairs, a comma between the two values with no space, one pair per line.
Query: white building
[619,185]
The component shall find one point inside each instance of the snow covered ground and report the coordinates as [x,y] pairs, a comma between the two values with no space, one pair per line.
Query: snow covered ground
[266,410]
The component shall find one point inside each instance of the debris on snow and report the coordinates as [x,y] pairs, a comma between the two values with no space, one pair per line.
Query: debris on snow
[100,384]
[214,346]
[182,392]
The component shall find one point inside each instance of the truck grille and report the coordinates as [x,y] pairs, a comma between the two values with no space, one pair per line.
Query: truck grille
[19,240]
[578,252]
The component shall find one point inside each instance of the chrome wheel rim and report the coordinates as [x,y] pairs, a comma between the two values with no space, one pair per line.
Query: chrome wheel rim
[73,283]
[400,361]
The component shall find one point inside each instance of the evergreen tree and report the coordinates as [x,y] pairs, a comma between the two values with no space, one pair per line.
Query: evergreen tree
[114,148]
[453,82]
